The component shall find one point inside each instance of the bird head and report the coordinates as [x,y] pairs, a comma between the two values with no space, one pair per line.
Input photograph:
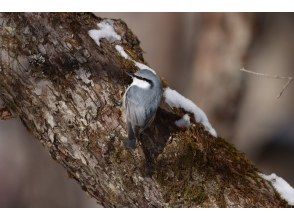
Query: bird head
[147,76]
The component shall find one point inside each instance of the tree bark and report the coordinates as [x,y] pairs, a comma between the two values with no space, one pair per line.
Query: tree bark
[67,91]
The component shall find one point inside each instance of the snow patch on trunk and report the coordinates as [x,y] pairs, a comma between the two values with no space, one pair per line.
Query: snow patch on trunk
[281,186]
[183,122]
[106,31]
[122,52]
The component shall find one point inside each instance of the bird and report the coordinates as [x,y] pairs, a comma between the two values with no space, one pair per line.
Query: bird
[141,101]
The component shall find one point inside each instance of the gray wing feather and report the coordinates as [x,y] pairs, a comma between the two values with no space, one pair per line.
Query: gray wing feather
[138,114]
[135,113]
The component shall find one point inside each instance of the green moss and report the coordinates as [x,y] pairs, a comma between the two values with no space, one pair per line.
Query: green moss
[134,55]
[220,199]
[196,165]
[128,65]
[121,155]
[195,194]
[176,169]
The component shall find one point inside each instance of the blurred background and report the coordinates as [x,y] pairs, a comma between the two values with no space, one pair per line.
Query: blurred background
[200,55]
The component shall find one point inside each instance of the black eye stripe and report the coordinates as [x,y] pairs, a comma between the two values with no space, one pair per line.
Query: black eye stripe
[144,79]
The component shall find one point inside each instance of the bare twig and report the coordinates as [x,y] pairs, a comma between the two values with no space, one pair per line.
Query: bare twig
[289,79]
[285,86]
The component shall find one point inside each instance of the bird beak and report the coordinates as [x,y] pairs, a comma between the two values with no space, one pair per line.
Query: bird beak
[131,74]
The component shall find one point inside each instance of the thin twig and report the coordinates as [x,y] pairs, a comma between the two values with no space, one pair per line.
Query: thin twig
[289,79]
[285,86]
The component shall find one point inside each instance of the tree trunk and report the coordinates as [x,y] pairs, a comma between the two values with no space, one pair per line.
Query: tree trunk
[68,91]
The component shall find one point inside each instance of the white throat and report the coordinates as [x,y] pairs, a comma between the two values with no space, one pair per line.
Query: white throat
[140,83]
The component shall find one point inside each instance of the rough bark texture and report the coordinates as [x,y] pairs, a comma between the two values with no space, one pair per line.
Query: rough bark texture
[68,92]
[5,114]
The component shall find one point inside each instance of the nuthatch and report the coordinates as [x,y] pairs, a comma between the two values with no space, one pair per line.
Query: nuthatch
[141,101]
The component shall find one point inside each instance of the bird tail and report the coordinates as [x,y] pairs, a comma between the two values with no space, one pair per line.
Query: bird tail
[131,142]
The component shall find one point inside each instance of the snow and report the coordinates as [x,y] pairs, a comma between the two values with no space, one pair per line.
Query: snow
[122,52]
[106,31]
[175,99]
[184,121]
[281,186]
[141,66]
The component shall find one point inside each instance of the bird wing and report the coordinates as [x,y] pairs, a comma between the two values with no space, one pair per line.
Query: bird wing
[138,110]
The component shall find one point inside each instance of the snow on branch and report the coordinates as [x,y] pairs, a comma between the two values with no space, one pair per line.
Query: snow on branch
[122,52]
[288,78]
[184,121]
[175,99]
[106,31]
[281,186]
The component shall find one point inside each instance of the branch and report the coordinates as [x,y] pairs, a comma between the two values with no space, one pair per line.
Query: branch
[288,78]
[68,90]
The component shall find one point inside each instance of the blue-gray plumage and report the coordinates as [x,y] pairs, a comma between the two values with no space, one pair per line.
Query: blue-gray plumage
[142,99]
